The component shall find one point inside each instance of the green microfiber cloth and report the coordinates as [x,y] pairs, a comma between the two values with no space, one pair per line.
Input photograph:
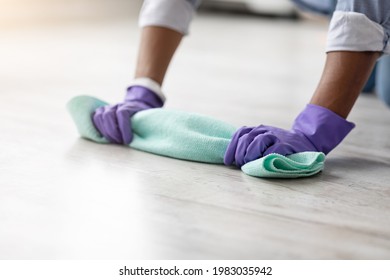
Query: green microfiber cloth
[192,137]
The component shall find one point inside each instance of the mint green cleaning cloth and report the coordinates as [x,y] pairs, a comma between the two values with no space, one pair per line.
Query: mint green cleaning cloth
[192,137]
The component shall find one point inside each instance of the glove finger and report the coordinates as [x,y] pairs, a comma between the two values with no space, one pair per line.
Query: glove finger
[231,149]
[135,106]
[110,125]
[243,143]
[283,149]
[124,123]
[97,119]
[258,146]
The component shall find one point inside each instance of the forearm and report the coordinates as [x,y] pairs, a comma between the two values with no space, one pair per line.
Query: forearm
[163,23]
[343,78]
[158,45]
[357,37]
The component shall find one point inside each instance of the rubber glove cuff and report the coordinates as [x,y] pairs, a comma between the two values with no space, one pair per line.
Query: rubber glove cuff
[322,127]
[149,84]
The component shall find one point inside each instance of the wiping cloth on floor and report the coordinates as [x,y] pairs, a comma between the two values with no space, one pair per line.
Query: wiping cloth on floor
[192,137]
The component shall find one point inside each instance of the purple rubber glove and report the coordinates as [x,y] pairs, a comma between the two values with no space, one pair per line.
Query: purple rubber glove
[315,129]
[113,121]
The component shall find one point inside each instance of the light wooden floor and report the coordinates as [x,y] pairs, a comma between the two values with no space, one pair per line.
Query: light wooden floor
[63,197]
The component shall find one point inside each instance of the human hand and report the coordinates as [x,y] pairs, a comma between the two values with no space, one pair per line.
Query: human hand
[251,143]
[114,121]
[315,129]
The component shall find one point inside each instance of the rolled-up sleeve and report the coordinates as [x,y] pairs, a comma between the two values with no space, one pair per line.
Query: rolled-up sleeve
[172,14]
[360,25]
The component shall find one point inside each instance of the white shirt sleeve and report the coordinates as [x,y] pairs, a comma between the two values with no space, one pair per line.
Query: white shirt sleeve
[360,25]
[173,14]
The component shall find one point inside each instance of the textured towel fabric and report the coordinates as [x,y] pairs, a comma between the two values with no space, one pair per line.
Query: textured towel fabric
[191,137]
[293,166]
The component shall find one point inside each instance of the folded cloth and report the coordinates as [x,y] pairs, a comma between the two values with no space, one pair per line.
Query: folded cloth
[293,166]
[192,137]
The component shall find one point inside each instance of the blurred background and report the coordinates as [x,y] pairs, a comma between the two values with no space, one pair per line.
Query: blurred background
[90,47]
[19,12]
[266,7]
[25,12]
